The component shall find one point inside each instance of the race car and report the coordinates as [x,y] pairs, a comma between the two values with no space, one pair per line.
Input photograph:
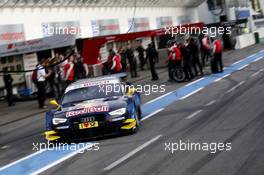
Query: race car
[94,108]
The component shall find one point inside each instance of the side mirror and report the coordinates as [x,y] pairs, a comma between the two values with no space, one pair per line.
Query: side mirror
[54,103]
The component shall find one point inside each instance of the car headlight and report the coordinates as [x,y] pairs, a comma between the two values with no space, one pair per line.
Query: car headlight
[57,121]
[118,112]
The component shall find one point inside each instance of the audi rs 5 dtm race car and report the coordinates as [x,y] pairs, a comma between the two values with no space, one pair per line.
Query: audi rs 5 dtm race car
[92,108]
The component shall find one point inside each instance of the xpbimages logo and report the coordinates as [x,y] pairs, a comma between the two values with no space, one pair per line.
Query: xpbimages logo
[143,89]
[59,146]
[195,30]
[212,147]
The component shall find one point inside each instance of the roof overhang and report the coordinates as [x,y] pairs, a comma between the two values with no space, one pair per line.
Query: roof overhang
[101,3]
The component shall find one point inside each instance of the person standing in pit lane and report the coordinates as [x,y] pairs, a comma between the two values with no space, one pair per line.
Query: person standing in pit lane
[116,63]
[132,60]
[69,71]
[217,58]
[141,51]
[80,71]
[194,49]
[51,79]
[123,59]
[60,70]
[41,83]
[174,59]
[108,64]
[98,62]
[186,55]
[57,81]
[152,56]
[8,80]
[206,49]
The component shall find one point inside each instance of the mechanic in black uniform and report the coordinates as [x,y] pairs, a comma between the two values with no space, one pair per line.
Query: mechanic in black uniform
[194,50]
[152,56]
[8,85]
[79,68]
[141,51]
[123,59]
[185,51]
[132,60]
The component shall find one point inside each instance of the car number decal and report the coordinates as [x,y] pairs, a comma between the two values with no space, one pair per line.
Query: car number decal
[87,125]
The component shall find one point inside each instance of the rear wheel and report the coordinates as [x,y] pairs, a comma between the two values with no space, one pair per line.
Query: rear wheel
[178,74]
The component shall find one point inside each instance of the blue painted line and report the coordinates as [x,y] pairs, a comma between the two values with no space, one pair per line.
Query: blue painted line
[36,162]
[43,159]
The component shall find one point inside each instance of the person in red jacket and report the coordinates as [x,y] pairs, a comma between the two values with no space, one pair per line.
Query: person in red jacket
[69,71]
[100,63]
[217,50]
[205,49]
[174,59]
[116,63]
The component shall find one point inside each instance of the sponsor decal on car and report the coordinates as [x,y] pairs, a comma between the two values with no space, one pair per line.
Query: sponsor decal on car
[90,109]
[90,84]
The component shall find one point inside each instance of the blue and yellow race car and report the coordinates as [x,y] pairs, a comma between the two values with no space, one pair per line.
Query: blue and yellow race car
[93,108]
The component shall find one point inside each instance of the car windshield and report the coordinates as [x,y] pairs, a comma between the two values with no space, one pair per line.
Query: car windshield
[90,93]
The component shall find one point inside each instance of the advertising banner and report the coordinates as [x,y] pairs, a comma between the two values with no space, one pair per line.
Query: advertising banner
[37,45]
[183,20]
[165,21]
[138,24]
[11,33]
[105,27]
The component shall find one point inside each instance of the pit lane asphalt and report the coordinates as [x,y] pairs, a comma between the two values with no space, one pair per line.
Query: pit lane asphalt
[235,116]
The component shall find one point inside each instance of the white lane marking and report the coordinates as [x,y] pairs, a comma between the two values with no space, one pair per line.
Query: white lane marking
[5,147]
[155,99]
[133,152]
[237,62]
[61,160]
[259,58]
[193,114]
[152,114]
[188,95]
[222,77]
[235,87]
[194,82]
[22,159]
[256,73]
[243,67]
[210,103]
